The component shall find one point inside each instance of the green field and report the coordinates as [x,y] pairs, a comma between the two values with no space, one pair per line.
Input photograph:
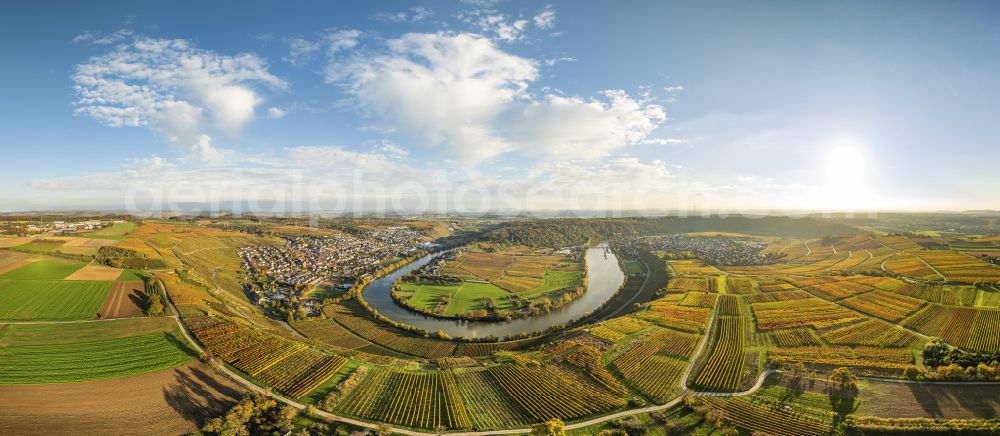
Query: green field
[464,297]
[67,333]
[43,270]
[133,275]
[38,247]
[51,299]
[633,267]
[90,360]
[116,232]
[554,280]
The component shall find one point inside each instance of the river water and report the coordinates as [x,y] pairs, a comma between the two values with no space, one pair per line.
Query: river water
[604,278]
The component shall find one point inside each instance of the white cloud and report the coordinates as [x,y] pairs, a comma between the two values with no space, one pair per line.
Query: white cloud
[462,92]
[301,51]
[546,19]
[412,15]
[674,89]
[98,39]
[495,25]
[341,40]
[665,141]
[585,129]
[441,89]
[552,61]
[276,113]
[391,149]
[171,87]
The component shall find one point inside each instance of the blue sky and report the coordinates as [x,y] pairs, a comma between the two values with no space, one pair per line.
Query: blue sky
[502,105]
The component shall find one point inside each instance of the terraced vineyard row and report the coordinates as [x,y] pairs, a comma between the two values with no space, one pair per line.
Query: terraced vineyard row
[288,366]
[881,304]
[420,400]
[966,327]
[871,332]
[742,412]
[858,357]
[795,337]
[550,392]
[358,321]
[488,407]
[724,368]
[671,315]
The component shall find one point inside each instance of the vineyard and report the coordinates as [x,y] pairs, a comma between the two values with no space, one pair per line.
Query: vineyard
[881,304]
[795,337]
[353,318]
[965,327]
[286,365]
[744,413]
[909,265]
[668,314]
[858,357]
[616,329]
[871,332]
[551,392]
[699,299]
[812,312]
[654,364]
[488,407]
[417,400]
[330,333]
[956,267]
[695,284]
[726,364]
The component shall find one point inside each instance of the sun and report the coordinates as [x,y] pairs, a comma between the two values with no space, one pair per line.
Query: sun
[847,186]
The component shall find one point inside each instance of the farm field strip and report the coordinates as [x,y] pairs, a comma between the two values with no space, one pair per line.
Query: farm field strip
[90,360]
[32,300]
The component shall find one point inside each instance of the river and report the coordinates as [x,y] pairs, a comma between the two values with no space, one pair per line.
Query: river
[604,278]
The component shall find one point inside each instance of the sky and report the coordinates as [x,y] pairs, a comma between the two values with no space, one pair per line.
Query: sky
[500,105]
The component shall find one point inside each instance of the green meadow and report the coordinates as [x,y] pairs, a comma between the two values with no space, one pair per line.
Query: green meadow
[94,359]
[116,232]
[43,270]
[464,297]
[27,300]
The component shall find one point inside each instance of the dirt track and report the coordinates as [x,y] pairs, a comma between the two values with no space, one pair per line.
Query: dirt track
[124,301]
[173,401]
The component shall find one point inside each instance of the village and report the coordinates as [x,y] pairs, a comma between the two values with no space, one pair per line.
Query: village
[21,228]
[716,250]
[310,267]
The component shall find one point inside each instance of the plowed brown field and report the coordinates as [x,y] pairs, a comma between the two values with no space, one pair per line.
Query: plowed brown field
[124,301]
[173,401]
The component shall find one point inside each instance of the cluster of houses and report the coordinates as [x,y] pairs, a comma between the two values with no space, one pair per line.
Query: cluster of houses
[63,227]
[335,261]
[716,250]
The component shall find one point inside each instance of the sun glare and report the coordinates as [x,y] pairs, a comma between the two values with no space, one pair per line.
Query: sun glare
[847,184]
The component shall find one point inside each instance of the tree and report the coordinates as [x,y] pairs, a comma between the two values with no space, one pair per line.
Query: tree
[911,372]
[254,414]
[717,417]
[155,306]
[552,427]
[843,379]
[383,430]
